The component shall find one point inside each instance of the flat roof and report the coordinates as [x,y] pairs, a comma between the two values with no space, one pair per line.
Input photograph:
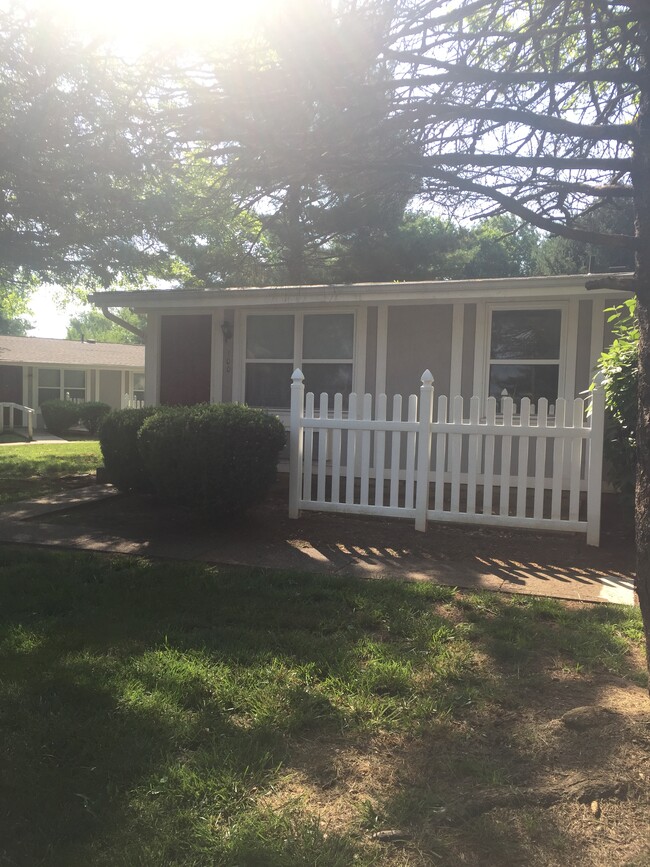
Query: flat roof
[502,287]
[65,353]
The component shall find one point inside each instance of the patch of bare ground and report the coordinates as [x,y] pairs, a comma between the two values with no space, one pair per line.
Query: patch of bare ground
[507,785]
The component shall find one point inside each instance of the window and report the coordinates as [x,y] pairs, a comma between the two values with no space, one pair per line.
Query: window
[138,386]
[525,354]
[321,344]
[54,384]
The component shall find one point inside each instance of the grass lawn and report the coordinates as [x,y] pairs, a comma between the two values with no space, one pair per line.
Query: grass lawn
[156,713]
[39,468]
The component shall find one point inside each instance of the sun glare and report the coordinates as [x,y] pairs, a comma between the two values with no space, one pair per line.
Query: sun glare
[140,24]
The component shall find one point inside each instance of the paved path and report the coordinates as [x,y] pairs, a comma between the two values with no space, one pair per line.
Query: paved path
[315,545]
[39,437]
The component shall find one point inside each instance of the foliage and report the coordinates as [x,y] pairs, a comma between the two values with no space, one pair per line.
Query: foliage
[118,440]
[619,365]
[218,458]
[60,415]
[13,326]
[92,414]
[93,325]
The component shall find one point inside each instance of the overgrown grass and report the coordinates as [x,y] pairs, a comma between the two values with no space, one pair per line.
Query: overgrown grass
[38,468]
[146,707]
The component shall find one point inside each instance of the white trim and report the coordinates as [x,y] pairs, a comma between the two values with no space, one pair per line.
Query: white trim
[152,360]
[573,312]
[456,354]
[216,357]
[356,294]
[382,349]
[480,352]
[359,351]
[486,361]
[597,341]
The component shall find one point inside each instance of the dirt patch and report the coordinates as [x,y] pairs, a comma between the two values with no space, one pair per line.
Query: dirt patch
[511,786]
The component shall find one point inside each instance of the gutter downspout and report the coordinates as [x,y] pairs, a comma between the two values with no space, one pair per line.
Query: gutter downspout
[124,324]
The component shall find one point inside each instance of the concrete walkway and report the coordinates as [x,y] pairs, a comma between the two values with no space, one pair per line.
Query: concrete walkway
[86,519]
[39,437]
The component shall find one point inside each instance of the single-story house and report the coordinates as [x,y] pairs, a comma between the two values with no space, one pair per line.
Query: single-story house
[511,441]
[36,369]
[534,336]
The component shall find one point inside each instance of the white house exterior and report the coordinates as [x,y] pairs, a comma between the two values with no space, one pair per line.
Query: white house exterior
[243,344]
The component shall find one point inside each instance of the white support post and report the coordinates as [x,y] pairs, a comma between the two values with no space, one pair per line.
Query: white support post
[30,424]
[296,442]
[595,476]
[424,451]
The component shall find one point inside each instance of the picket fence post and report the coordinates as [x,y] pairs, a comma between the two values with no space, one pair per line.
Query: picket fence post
[296,441]
[595,474]
[424,451]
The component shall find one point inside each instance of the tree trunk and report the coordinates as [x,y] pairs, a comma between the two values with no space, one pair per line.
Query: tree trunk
[641,180]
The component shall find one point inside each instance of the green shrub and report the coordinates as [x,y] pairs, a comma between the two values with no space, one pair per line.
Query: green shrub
[92,414]
[220,459]
[59,416]
[119,444]
[619,365]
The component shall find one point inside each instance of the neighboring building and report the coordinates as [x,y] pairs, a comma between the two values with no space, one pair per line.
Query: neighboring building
[36,369]
[535,337]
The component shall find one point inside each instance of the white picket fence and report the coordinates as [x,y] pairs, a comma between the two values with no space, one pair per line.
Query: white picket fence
[131,402]
[529,468]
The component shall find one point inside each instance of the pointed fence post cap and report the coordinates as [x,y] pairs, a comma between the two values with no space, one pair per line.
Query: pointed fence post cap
[427,377]
[297,375]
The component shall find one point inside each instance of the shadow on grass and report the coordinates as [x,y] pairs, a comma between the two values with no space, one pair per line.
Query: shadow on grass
[146,706]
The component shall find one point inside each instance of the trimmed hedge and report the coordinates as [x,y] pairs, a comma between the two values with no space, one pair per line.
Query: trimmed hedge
[59,416]
[118,440]
[218,458]
[92,414]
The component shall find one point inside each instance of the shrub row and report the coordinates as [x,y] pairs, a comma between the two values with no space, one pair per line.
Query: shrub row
[60,415]
[218,458]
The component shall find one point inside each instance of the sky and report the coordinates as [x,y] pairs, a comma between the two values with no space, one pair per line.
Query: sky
[134,26]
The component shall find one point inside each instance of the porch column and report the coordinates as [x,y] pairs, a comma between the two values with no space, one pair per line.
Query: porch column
[152,361]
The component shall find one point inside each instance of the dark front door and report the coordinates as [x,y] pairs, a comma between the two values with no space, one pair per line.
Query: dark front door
[11,384]
[185,359]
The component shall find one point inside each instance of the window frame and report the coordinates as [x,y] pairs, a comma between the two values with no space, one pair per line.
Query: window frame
[62,387]
[241,329]
[561,362]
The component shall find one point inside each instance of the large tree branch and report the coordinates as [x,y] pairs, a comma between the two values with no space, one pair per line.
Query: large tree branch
[556,125]
[542,161]
[545,223]
[472,75]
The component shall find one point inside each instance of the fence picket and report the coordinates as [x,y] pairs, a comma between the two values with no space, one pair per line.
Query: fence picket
[380,452]
[507,410]
[522,458]
[352,452]
[396,447]
[576,461]
[441,448]
[473,456]
[323,412]
[308,448]
[558,461]
[540,459]
[411,436]
[488,468]
[336,450]
[456,453]
[365,451]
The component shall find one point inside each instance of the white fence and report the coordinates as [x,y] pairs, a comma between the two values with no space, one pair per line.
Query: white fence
[527,469]
[131,402]
[8,418]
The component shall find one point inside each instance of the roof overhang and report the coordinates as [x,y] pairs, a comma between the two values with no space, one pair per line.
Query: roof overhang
[352,293]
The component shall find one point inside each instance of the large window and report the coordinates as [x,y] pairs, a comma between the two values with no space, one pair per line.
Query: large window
[525,354]
[55,384]
[321,344]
